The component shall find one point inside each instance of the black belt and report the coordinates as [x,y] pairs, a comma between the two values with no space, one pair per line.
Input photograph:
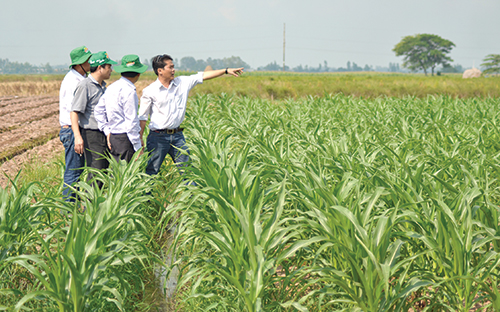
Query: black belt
[169,131]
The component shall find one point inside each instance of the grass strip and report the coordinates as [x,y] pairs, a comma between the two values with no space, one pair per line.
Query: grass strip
[276,86]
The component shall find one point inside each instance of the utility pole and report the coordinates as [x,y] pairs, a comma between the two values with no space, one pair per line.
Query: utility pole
[284,46]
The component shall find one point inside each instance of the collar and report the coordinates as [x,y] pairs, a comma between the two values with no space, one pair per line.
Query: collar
[160,85]
[127,82]
[76,73]
[95,81]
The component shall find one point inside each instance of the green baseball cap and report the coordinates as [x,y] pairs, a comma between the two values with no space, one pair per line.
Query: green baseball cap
[79,55]
[131,63]
[100,58]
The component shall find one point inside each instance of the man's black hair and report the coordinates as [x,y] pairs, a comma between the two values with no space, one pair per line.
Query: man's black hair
[129,74]
[159,62]
[94,68]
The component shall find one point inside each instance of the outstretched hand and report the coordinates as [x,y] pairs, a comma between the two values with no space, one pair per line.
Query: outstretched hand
[236,72]
[210,74]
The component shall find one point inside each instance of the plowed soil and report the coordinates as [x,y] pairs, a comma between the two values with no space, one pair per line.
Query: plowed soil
[29,128]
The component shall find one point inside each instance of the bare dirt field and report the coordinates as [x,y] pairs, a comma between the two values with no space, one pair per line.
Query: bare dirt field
[29,129]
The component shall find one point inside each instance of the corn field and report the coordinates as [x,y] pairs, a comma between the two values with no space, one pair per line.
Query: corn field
[331,203]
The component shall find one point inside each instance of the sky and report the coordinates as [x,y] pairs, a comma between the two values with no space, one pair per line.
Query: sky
[315,31]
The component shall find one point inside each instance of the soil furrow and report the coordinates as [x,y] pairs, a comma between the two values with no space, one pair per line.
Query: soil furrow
[28,144]
[15,138]
[26,104]
[17,100]
[18,119]
[41,154]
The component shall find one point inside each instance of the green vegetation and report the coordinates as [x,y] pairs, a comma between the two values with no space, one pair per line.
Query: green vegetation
[30,78]
[283,86]
[423,51]
[491,64]
[339,203]
[312,204]
[277,86]
[54,256]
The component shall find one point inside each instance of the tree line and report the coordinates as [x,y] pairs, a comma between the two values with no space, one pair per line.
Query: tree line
[8,67]
[420,52]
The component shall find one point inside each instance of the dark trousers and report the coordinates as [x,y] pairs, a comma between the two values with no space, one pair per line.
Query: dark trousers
[121,148]
[96,147]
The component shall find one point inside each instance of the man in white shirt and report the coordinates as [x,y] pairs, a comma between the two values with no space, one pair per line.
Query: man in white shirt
[74,162]
[116,112]
[165,101]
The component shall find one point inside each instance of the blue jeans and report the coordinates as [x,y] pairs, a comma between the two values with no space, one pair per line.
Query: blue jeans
[161,144]
[74,162]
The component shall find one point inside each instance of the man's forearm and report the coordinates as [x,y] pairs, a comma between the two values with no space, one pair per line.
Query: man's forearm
[219,72]
[79,144]
[74,123]
[210,74]
[143,126]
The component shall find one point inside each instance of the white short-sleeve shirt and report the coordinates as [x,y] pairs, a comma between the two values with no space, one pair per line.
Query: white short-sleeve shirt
[66,93]
[167,106]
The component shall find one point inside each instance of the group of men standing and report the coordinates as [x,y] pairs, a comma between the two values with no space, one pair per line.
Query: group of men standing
[97,121]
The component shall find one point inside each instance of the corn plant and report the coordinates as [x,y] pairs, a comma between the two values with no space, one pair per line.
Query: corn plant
[239,221]
[83,257]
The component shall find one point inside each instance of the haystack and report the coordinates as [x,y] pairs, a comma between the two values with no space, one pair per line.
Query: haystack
[472,73]
[208,68]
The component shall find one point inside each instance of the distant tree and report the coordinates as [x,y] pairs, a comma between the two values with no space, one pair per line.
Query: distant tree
[188,63]
[234,61]
[298,69]
[148,63]
[424,51]
[191,64]
[200,65]
[367,68]
[491,64]
[47,69]
[348,65]
[457,68]
[8,67]
[393,67]
[355,67]
[274,67]
[215,63]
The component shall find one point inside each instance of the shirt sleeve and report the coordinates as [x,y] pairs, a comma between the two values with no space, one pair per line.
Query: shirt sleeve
[101,116]
[146,105]
[80,98]
[132,120]
[195,79]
